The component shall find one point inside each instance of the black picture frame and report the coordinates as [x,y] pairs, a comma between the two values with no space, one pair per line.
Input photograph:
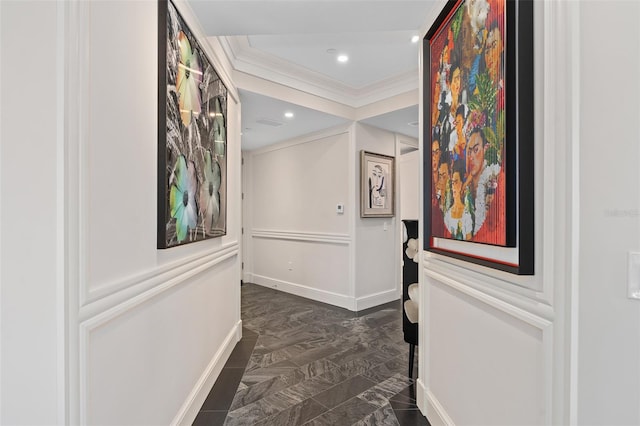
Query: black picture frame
[192,136]
[519,141]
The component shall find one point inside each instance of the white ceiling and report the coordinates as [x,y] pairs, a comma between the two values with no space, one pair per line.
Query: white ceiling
[264,123]
[291,38]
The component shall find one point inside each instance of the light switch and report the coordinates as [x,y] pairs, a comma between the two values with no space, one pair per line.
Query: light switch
[633,280]
[340,208]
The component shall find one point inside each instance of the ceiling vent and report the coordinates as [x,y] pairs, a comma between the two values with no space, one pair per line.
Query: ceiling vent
[269,122]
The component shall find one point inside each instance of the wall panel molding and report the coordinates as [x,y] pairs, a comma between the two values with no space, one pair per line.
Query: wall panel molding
[108,309]
[76,129]
[491,292]
[141,287]
[522,308]
[315,237]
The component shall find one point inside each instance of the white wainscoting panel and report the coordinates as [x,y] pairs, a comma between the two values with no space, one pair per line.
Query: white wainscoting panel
[148,330]
[484,353]
[160,347]
[313,265]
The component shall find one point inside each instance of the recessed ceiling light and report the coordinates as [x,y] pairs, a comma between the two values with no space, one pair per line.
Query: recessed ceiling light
[415,39]
[343,58]
[288,114]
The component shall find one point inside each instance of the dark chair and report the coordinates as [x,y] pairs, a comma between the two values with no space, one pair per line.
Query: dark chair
[409,282]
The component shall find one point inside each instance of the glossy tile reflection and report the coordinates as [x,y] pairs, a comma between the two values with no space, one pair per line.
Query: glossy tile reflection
[302,362]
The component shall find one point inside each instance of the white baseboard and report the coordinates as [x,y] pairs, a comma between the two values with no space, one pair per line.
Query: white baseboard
[308,292]
[189,410]
[437,414]
[247,277]
[421,400]
[376,299]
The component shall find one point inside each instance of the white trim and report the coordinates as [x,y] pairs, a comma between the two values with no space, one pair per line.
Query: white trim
[437,414]
[1,197]
[249,60]
[506,281]
[314,237]
[534,314]
[61,224]
[353,185]
[93,317]
[323,296]
[75,165]
[516,301]
[247,216]
[97,292]
[257,84]
[311,137]
[421,398]
[191,406]
[423,290]
[394,103]
[573,13]
[376,299]
[407,140]
[138,289]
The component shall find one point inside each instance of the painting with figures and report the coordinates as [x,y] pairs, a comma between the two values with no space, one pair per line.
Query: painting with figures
[467,124]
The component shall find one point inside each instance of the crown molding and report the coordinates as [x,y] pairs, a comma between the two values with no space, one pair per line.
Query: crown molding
[252,61]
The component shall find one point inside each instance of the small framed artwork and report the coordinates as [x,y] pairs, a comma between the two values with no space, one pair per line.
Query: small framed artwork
[478,134]
[192,140]
[377,185]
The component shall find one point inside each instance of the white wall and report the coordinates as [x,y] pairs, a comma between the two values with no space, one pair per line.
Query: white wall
[306,180]
[298,243]
[377,244]
[497,348]
[609,339]
[106,326]
[31,359]
[409,185]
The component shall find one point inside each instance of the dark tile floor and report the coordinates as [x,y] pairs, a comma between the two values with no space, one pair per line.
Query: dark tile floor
[302,362]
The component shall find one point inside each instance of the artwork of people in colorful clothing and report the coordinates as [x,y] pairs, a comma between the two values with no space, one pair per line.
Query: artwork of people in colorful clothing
[468,124]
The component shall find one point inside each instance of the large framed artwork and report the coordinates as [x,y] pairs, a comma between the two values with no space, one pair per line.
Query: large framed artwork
[377,185]
[192,140]
[478,140]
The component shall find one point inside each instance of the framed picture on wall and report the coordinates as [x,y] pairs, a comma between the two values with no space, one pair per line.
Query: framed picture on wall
[479,128]
[377,185]
[192,136]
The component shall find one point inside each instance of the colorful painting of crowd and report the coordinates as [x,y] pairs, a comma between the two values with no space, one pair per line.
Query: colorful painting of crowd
[467,70]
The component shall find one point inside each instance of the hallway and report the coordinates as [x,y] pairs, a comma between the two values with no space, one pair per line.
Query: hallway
[304,362]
